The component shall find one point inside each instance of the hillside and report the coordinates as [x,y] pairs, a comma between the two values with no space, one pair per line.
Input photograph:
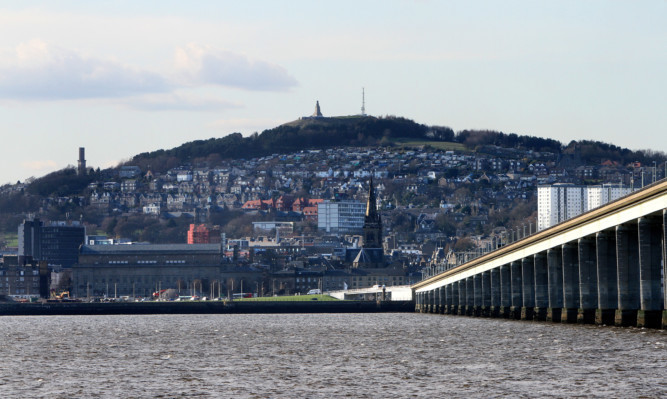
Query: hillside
[98,199]
[323,133]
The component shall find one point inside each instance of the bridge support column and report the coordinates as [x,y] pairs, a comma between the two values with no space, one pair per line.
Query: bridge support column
[470,296]
[650,257]
[555,277]
[477,297]
[463,297]
[541,286]
[494,281]
[588,288]
[486,293]
[441,300]
[570,283]
[505,290]
[455,298]
[517,296]
[418,302]
[434,300]
[606,274]
[448,299]
[627,263]
[664,268]
[527,288]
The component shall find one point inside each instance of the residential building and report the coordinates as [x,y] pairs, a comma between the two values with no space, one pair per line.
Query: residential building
[198,234]
[341,217]
[18,277]
[559,202]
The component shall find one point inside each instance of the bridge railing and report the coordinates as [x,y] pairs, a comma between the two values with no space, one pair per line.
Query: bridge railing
[456,259]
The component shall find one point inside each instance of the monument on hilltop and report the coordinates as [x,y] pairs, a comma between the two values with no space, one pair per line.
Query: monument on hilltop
[317,113]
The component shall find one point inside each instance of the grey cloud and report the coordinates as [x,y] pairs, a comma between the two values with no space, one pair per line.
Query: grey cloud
[61,74]
[39,71]
[237,71]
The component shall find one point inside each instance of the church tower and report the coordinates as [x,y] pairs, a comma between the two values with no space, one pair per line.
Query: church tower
[372,222]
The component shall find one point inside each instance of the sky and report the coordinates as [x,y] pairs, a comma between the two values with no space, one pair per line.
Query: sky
[124,77]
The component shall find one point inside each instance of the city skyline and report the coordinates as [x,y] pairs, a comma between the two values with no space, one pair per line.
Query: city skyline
[124,78]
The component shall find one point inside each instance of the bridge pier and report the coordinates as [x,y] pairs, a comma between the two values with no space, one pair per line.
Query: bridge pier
[454,307]
[448,298]
[477,296]
[527,288]
[441,300]
[627,258]
[462,297]
[516,295]
[541,287]
[664,268]
[470,296]
[607,277]
[494,286]
[588,290]
[486,294]
[505,291]
[555,283]
[650,257]
[570,283]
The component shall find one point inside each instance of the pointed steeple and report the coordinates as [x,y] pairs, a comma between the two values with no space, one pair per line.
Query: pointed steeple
[372,221]
[371,204]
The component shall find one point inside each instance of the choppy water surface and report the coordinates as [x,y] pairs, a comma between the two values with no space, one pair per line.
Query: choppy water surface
[324,356]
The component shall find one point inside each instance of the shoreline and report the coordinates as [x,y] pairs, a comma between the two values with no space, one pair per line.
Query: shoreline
[210,307]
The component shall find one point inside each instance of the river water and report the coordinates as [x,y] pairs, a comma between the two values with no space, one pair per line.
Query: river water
[398,355]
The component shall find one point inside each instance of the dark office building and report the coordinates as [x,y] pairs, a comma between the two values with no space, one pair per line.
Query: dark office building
[56,243]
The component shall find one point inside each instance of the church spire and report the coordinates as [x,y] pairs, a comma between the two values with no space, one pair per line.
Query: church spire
[372,221]
[371,204]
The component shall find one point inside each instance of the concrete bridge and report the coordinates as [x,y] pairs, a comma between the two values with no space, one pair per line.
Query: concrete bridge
[606,266]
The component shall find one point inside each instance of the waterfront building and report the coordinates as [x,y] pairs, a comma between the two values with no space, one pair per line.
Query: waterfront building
[559,202]
[139,270]
[56,242]
[19,277]
[142,269]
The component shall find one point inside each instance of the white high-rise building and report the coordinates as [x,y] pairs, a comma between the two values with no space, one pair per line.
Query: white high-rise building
[341,216]
[559,202]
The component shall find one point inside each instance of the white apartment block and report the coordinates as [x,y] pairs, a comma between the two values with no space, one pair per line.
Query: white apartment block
[559,202]
[341,216]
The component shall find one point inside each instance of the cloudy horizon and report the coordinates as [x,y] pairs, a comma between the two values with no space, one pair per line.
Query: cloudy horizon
[128,77]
